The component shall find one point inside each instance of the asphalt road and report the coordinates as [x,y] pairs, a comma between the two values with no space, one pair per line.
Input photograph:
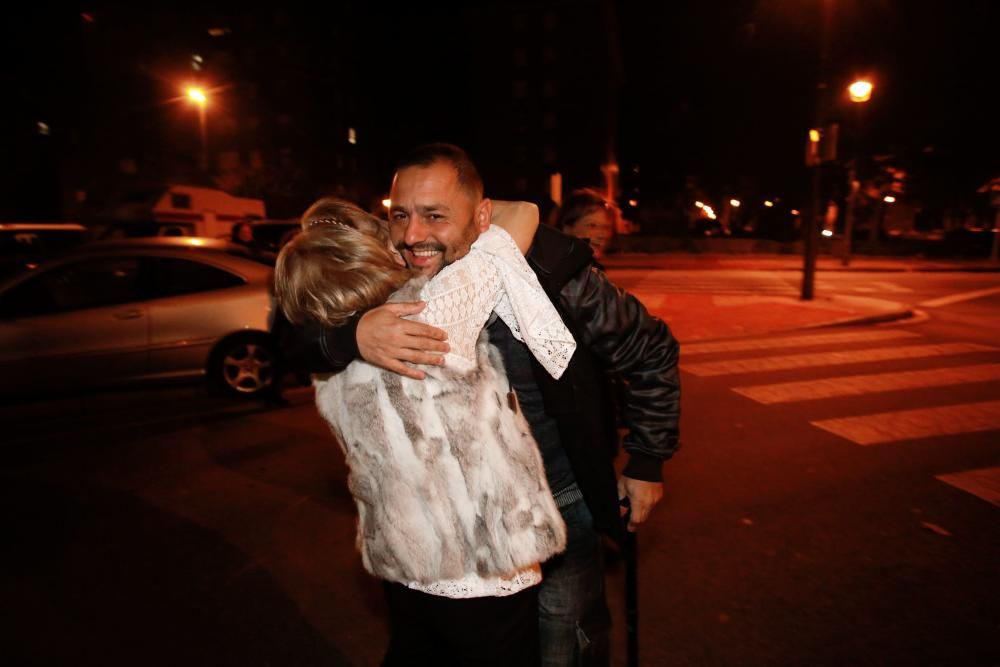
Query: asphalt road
[849,519]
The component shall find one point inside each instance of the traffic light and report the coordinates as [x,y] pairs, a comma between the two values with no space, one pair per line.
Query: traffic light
[821,145]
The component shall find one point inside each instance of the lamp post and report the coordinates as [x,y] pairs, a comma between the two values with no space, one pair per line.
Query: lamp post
[200,99]
[860,92]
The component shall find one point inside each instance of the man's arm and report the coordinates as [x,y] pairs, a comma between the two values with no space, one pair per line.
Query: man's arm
[381,337]
[618,330]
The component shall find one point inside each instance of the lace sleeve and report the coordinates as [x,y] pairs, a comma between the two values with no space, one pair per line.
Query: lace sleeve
[495,276]
[525,307]
[459,300]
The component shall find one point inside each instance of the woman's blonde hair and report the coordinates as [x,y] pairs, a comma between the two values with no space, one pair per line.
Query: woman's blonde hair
[339,266]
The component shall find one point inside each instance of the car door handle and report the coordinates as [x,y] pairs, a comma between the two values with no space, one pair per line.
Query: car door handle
[128,314]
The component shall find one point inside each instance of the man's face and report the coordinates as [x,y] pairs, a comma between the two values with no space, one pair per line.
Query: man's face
[433,220]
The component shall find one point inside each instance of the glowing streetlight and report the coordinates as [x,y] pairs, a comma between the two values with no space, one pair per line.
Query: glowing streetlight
[889,199]
[699,204]
[735,203]
[827,233]
[860,90]
[200,98]
[768,203]
[795,211]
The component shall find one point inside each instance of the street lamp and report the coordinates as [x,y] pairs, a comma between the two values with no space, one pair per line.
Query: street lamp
[197,95]
[199,98]
[860,92]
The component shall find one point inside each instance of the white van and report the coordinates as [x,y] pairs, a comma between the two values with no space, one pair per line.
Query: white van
[176,210]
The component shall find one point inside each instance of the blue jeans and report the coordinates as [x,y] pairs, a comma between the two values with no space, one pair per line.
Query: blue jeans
[573,619]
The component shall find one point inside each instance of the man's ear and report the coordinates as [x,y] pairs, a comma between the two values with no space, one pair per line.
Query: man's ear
[484,214]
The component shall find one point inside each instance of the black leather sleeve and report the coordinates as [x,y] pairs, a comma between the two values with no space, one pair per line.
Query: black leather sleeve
[639,348]
[313,348]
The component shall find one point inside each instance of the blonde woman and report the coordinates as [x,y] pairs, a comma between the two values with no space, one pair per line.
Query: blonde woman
[454,509]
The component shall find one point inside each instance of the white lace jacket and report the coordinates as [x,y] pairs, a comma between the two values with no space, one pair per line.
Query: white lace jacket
[449,484]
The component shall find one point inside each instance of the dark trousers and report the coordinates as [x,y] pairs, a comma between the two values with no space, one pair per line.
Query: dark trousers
[574,619]
[437,631]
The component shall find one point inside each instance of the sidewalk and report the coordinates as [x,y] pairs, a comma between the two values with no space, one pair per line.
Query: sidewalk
[707,316]
[699,317]
[734,262]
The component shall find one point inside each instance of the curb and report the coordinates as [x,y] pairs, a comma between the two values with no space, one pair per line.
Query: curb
[861,320]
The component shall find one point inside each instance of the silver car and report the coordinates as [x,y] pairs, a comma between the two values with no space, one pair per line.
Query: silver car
[139,309]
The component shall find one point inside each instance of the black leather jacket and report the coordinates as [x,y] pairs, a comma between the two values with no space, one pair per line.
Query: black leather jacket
[616,337]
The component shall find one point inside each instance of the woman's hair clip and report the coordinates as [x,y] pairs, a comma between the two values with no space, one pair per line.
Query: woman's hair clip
[328,221]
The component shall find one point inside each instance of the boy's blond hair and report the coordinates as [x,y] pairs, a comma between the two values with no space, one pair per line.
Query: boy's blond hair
[339,266]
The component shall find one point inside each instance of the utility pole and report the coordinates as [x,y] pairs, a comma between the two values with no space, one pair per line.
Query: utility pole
[811,231]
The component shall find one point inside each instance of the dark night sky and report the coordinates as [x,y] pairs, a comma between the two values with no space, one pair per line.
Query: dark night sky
[727,88]
[741,80]
[721,89]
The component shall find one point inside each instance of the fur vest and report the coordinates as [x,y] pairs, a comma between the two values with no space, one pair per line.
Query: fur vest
[447,478]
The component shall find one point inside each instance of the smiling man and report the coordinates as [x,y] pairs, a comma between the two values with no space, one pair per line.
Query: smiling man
[436,213]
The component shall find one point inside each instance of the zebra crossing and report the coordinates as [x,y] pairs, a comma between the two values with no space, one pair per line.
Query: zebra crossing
[745,365]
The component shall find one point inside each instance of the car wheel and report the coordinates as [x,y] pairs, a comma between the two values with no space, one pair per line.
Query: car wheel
[243,365]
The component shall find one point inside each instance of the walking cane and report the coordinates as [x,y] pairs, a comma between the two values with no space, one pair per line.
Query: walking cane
[631,591]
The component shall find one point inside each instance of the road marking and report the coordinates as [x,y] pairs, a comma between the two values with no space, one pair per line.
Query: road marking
[911,424]
[813,359]
[857,385]
[796,341]
[983,483]
[957,298]
[889,287]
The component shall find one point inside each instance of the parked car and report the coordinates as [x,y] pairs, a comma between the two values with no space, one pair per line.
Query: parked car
[24,245]
[274,234]
[139,309]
